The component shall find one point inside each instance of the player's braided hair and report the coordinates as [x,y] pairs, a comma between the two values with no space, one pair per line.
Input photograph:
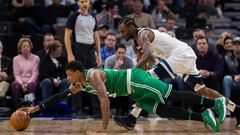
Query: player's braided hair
[128,21]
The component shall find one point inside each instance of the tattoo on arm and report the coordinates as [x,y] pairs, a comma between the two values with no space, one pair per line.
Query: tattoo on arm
[144,39]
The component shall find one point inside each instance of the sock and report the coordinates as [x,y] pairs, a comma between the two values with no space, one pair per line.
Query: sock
[207,102]
[195,116]
[231,106]
[136,111]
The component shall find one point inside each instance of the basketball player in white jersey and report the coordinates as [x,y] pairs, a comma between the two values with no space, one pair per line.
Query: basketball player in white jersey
[177,59]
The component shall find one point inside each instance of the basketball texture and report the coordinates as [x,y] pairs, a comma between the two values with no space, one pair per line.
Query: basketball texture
[20,120]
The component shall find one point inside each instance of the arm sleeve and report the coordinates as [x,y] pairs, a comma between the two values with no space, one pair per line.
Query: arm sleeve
[53,100]
[95,27]
[72,20]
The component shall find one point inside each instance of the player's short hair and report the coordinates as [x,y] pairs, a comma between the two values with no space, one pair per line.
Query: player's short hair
[128,21]
[75,66]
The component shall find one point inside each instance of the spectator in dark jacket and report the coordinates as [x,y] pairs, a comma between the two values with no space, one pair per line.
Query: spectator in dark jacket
[231,80]
[52,71]
[6,75]
[209,64]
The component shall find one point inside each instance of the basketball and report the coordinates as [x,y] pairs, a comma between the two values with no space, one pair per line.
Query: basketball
[20,120]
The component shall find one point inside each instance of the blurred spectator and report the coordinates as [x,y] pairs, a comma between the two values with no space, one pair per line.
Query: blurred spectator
[54,11]
[99,5]
[210,35]
[161,11]
[220,42]
[82,42]
[29,17]
[142,19]
[18,3]
[227,45]
[231,80]
[162,29]
[102,31]
[62,2]
[170,24]
[126,7]
[201,33]
[5,13]
[47,40]
[189,10]
[6,76]
[110,16]
[120,60]
[109,48]
[217,6]
[129,48]
[205,10]
[52,75]
[209,64]
[195,35]
[25,71]
[173,8]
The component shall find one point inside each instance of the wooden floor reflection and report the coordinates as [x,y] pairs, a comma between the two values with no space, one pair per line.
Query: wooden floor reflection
[47,126]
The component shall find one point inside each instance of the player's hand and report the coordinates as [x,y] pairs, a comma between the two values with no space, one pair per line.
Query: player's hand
[28,110]
[25,109]
[71,58]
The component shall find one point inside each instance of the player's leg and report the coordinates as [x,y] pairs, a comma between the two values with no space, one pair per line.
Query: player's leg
[161,71]
[217,104]
[151,97]
[196,82]
[180,113]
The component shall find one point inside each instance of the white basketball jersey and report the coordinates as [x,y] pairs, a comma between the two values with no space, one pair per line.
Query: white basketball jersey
[164,45]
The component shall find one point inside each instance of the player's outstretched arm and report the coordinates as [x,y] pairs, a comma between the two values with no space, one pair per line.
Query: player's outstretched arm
[53,100]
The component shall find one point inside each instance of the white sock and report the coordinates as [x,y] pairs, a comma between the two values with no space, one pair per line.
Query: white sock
[136,111]
[231,106]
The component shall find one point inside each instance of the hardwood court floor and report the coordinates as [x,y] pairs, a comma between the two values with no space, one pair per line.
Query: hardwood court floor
[41,126]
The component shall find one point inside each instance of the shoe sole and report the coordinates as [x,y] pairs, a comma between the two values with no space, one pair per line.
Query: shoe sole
[121,124]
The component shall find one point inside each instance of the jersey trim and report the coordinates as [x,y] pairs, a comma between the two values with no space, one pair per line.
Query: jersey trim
[129,73]
[168,91]
[168,68]
[155,107]
[150,89]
